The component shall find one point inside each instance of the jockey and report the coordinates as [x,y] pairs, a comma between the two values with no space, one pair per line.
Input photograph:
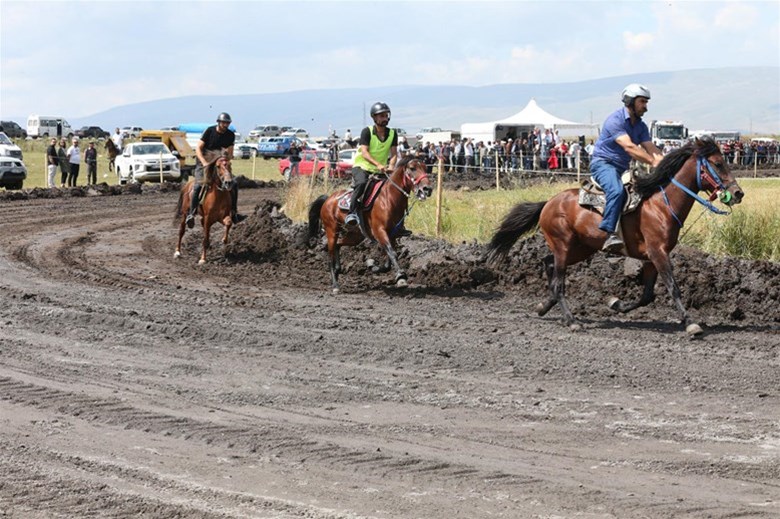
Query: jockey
[118,139]
[624,136]
[214,138]
[378,149]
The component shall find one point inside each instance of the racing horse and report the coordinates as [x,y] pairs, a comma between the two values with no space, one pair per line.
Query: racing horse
[215,202]
[650,232]
[112,151]
[380,222]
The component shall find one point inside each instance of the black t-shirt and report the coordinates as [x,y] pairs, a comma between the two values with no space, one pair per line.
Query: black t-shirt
[51,153]
[216,141]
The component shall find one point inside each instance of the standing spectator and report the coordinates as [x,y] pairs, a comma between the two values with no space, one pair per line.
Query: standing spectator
[574,155]
[552,159]
[90,158]
[348,138]
[445,156]
[468,152]
[62,156]
[333,156]
[74,162]
[52,162]
[564,157]
[118,139]
[295,159]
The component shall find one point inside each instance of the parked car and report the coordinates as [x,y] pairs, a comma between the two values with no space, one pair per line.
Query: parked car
[95,132]
[140,162]
[419,135]
[244,150]
[264,130]
[306,165]
[295,132]
[131,131]
[13,130]
[276,147]
[8,148]
[13,172]
[348,156]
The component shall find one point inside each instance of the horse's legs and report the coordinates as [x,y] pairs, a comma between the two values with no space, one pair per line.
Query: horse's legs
[649,276]
[661,261]
[182,230]
[543,308]
[334,258]
[400,275]
[206,238]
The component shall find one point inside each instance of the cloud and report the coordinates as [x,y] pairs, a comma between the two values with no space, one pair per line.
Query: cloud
[638,42]
[735,17]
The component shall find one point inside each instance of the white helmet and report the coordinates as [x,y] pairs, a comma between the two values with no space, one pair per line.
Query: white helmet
[634,90]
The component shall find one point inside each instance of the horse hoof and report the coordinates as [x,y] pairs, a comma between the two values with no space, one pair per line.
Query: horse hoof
[336,291]
[201,261]
[694,330]
[575,327]
[370,263]
[177,254]
[612,303]
[401,283]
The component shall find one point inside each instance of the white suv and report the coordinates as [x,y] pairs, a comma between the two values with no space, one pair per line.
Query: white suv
[131,131]
[140,162]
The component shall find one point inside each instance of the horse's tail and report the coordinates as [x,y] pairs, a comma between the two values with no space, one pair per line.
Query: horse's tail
[521,219]
[314,216]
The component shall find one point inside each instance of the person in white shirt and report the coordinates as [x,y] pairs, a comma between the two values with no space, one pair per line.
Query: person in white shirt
[118,140]
[74,160]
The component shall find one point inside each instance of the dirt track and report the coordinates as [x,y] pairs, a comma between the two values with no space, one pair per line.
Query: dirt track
[132,384]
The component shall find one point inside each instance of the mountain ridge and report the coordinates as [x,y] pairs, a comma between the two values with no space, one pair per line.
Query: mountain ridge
[746,99]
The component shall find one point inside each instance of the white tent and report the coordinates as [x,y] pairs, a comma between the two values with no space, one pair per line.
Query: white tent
[524,121]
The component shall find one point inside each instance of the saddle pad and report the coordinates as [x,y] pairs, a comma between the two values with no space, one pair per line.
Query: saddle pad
[591,195]
[369,196]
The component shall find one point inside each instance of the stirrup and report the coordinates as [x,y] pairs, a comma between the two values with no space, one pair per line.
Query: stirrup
[190,221]
[613,244]
[351,220]
[237,218]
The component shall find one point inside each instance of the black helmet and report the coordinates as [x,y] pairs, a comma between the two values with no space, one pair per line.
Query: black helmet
[379,108]
[224,117]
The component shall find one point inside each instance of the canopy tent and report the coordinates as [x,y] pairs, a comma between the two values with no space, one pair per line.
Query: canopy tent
[524,121]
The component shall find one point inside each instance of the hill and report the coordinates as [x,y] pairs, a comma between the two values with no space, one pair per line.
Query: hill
[740,98]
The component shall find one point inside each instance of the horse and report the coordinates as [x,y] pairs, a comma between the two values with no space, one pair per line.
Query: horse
[215,203]
[380,222]
[650,232]
[112,152]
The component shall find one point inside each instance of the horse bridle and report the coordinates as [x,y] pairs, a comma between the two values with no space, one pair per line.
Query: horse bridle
[705,172]
[224,185]
[408,178]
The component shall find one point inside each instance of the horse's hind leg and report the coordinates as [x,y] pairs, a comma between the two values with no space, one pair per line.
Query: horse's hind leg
[543,308]
[556,271]
[649,277]
[182,230]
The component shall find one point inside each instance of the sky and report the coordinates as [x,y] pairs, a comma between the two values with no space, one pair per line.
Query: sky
[78,58]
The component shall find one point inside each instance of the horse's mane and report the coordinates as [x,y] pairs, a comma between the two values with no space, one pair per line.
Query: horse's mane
[404,161]
[672,163]
[210,168]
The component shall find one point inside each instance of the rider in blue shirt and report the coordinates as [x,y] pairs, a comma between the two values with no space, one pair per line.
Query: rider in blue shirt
[624,136]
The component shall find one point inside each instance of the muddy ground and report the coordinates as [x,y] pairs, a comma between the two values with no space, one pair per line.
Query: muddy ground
[133,384]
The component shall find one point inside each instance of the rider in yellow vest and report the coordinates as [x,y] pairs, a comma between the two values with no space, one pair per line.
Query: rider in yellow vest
[378,148]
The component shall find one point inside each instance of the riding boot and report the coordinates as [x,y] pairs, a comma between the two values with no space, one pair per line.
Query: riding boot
[354,203]
[194,203]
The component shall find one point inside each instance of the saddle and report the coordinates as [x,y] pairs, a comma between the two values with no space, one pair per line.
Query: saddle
[369,195]
[592,195]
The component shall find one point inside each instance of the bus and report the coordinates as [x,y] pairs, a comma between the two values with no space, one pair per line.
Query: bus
[48,126]
[718,136]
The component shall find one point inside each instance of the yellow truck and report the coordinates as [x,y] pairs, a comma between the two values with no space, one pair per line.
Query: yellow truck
[176,141]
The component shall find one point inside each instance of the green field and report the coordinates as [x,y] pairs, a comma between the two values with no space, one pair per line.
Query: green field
[751,231]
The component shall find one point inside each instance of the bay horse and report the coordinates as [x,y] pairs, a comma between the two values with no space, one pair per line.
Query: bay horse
[112,151]
[381,221]
[650,232]
[215,205]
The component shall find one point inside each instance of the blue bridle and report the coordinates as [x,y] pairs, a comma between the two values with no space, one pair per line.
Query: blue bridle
[715,181]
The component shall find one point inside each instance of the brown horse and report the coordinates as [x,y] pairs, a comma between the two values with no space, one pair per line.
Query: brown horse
[112,151]
[381,221]
[215,203]
[650,233]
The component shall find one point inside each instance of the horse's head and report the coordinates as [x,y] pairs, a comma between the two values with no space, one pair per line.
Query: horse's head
[713,174]
[416,178]
[220,171]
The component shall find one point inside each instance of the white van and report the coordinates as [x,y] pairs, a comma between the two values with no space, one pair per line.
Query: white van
[48,126]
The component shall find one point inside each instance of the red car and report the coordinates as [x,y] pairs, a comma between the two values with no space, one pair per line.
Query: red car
[306,165]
